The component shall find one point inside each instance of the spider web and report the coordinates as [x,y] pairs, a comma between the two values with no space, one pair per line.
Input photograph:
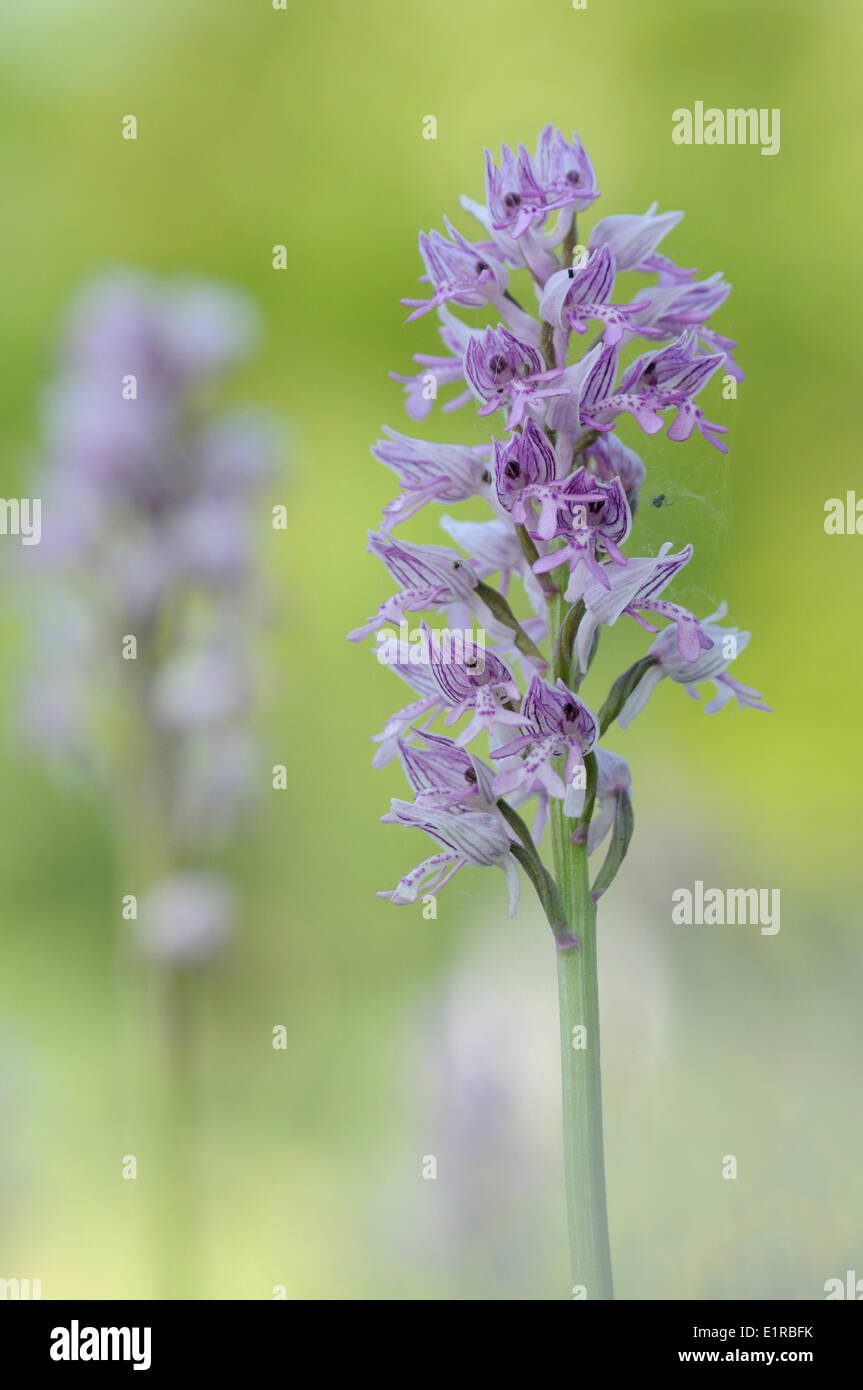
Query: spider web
[685,498]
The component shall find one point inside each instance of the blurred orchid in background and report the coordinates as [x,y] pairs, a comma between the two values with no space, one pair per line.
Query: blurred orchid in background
[146,596]
[151,492]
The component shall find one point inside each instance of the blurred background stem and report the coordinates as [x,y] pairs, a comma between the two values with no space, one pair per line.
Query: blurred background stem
[157,1003]
[179,1272]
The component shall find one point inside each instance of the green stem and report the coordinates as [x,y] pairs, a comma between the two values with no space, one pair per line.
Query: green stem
[159,999]
[569,242]
[578,989]
[179,1275]
[546,888]
[531,554]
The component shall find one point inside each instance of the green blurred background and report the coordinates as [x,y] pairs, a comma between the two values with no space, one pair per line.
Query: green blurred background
[406,1037]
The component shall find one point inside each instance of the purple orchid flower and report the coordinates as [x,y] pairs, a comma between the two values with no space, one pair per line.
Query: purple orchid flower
[431,473]
[446,775]
[399,657]
[577,501]
[633,589]
[671,308]
[613,779]
[670,376]
[726,644]
[522,193]
[633,240]
[524,460]
[468,837]
[565,172]
[515,197]
[573,298]
[458,272]
[500,369]
[492,547]
[586,512]
[559,724]
[429,574]
[589,386]
[676,368]
[421,389]
[610,458]
[473,680]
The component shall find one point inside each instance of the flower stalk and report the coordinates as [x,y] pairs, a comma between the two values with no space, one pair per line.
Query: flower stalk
[578,1003]
[581,1085]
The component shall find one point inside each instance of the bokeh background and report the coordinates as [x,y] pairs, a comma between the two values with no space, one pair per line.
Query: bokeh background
[406,1037]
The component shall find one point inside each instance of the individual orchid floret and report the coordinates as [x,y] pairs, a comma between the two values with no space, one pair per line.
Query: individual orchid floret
[501,369]
[565,172]
[447,776]
[514,195]
[673,308]
[589,402]
[676,367]
[711,665]
[716,342]
[429,575]
[577,502]
[558,724]
[614,818]
[633,589]
[522,193]
[610,458]
[434,576]
[468,837]
[586,512]
[492,546]
[472,679]
[186,917]
[670,376]
[512,649]
[399,657]
[458,272]
[573,298]
[499,244]
[430,473]
[421,389]
[633,240]
[524,460]
[613,780]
